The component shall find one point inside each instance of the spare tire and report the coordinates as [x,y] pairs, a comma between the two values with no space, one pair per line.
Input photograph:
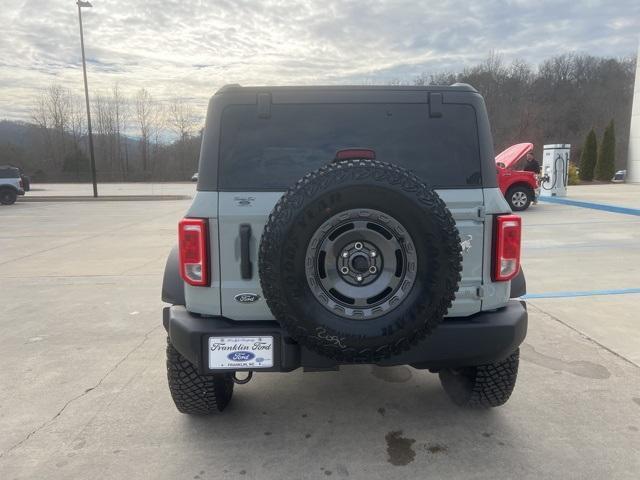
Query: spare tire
[359,260]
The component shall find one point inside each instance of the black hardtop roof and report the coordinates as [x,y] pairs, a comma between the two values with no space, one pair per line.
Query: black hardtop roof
[237,88]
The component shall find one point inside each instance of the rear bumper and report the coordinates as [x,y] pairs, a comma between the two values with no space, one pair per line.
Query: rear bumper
[482,338]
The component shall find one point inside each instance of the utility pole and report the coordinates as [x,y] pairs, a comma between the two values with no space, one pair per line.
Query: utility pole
[81,5]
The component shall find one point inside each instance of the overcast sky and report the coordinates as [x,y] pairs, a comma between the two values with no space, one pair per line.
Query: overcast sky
[190,48]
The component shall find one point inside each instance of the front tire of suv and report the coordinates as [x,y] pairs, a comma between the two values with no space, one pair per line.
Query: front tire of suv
[8,196]
[519,197]
[482,386]
[196,394]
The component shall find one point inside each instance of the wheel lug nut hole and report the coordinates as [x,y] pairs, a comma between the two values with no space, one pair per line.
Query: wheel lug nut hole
[344,270]
[358,246]
[373,269]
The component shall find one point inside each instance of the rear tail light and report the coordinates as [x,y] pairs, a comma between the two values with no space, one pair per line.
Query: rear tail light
[355,154]
[506,247]
[192,244]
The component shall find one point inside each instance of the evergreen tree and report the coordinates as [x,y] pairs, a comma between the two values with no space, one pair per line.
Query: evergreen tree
[605,167]
[589,157]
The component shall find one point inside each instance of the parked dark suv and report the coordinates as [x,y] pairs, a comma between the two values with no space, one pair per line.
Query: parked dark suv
[342,225]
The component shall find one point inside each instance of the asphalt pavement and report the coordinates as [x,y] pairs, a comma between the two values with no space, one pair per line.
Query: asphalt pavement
[84,391]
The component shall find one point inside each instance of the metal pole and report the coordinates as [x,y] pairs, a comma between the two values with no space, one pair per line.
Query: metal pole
[86,95]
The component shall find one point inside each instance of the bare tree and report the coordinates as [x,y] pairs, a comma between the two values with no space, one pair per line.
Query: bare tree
[120,113]
[59,115]
[144,116]
[78,119]
[184,123]
[182,118]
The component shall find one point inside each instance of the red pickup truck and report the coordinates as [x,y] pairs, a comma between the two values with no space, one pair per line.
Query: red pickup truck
[519,187]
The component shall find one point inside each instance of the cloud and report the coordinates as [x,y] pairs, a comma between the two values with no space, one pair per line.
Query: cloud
[190,48]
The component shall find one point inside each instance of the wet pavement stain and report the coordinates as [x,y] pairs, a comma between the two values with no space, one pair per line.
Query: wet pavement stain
[381,411]
[392,374]
[399,449]
[581,368]
[437,448]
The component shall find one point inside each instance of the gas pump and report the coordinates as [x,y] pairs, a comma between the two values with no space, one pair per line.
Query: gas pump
[555,170]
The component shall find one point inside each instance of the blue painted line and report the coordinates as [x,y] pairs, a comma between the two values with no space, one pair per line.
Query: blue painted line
[604,246]
[594,206]
[584,293]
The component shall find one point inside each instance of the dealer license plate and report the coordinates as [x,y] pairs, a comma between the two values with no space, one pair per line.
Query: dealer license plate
[240,352]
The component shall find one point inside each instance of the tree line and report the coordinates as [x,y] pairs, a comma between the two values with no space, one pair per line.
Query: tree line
[137,138]
[141,138]
[559,101]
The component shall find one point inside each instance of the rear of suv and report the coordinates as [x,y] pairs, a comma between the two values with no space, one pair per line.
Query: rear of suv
[345,225]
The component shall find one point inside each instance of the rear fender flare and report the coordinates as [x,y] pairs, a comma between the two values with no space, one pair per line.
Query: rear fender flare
[172,283]
[518,285]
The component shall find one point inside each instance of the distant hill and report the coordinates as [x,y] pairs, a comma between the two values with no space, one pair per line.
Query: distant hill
[17,133]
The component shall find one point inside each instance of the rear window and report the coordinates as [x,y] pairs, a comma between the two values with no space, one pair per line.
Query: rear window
[9,172]
[273,153]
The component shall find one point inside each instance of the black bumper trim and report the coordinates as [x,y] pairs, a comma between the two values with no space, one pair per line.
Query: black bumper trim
[482,338]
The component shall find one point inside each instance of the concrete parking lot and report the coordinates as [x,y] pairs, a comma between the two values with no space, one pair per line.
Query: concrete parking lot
[84,391]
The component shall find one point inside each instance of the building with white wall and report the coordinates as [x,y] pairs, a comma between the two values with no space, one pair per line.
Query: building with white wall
[633,163]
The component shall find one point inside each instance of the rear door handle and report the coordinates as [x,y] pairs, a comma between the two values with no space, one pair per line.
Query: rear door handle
[246,269]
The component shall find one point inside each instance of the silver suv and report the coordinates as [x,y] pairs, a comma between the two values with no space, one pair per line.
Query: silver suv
[342,225]
[10,185]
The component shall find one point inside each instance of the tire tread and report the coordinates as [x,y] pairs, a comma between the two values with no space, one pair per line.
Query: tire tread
[193,393]
[333,175]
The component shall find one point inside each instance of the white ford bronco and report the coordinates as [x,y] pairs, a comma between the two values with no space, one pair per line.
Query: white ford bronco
[345,225]
[11,185]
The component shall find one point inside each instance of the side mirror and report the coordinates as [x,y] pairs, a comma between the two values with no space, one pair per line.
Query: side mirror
[501,165]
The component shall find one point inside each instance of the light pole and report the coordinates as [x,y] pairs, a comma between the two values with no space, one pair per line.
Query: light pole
[81,5]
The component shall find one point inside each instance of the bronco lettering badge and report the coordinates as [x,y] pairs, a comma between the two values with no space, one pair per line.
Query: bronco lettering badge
[247,297]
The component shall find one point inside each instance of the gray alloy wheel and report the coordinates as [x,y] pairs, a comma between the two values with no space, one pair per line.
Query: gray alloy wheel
[361,264]
[519,198]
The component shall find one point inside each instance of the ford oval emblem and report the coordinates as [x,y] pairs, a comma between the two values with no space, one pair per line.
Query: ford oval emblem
[241,356]
[247,297]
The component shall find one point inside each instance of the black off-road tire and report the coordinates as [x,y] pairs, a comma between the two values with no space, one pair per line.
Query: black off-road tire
[483,386]
[519,197]
[8,196]
[193,393]
[348,186]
